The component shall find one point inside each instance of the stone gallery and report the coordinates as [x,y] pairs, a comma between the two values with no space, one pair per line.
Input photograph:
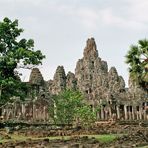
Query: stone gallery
[101,87]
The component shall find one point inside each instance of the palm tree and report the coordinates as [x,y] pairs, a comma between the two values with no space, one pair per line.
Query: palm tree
[137,58]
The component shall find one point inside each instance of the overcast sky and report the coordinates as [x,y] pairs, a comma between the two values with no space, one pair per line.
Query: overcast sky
[60,29]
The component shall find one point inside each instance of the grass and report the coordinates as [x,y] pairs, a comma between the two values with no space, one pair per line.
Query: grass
[14,138]
[101,138]
[144,146]
[104,138]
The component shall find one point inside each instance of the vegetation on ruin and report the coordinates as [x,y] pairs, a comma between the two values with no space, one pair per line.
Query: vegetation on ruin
[15,53]
[137,59]
[70,107]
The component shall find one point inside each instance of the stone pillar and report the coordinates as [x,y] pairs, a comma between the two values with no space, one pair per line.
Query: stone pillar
[144,111]
[4,112]
[137,112]
[125,112]
[7,111]
[106,112]
[44,113]
[55,109]
[137,115]
[36,113]
[47,114]
[33,111]
[39,114]
[102,112]
[118,112]
[130,112]
[133,112]
[14,112]
[140,112]
[93,108]
[110,112]
[23,110]
[98,115]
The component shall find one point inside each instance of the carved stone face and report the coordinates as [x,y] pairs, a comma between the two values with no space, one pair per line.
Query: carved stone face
[36,77]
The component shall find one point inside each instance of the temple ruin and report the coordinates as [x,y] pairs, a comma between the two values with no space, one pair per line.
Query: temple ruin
[101,87]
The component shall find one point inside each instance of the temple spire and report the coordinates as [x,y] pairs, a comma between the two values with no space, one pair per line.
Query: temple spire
[90,50]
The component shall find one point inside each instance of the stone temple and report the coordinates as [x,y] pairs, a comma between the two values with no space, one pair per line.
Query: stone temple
[101,87]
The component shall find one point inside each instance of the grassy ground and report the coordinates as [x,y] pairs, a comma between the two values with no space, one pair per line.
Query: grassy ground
[105,138]
[101,138]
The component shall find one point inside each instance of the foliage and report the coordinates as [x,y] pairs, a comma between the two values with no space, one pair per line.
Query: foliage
[85,116]
[137,58]
[65,105]
[69,107]
[15,53]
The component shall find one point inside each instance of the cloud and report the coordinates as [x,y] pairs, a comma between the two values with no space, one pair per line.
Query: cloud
[87,17]
[138,10]
[109,17]
[130,15]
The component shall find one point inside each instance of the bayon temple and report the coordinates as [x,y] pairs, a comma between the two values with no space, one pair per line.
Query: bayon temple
[101,87]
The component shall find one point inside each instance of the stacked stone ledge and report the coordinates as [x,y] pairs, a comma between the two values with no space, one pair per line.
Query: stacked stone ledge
[101,87]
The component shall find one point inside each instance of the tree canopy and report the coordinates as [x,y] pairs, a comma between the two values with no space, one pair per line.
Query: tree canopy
[70,107]
[15,53]
[137,58]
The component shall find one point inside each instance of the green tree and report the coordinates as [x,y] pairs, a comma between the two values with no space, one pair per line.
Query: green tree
[15,53]
[85,116]
[69,107]
[137,58]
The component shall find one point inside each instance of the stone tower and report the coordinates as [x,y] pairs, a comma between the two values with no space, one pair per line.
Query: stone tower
[59,81]
[36,77]
[93,78]
[36,83]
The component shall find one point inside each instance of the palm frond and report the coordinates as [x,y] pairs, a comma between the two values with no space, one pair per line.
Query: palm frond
[137,59]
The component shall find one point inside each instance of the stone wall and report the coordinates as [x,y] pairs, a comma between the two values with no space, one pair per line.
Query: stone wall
[28,110]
